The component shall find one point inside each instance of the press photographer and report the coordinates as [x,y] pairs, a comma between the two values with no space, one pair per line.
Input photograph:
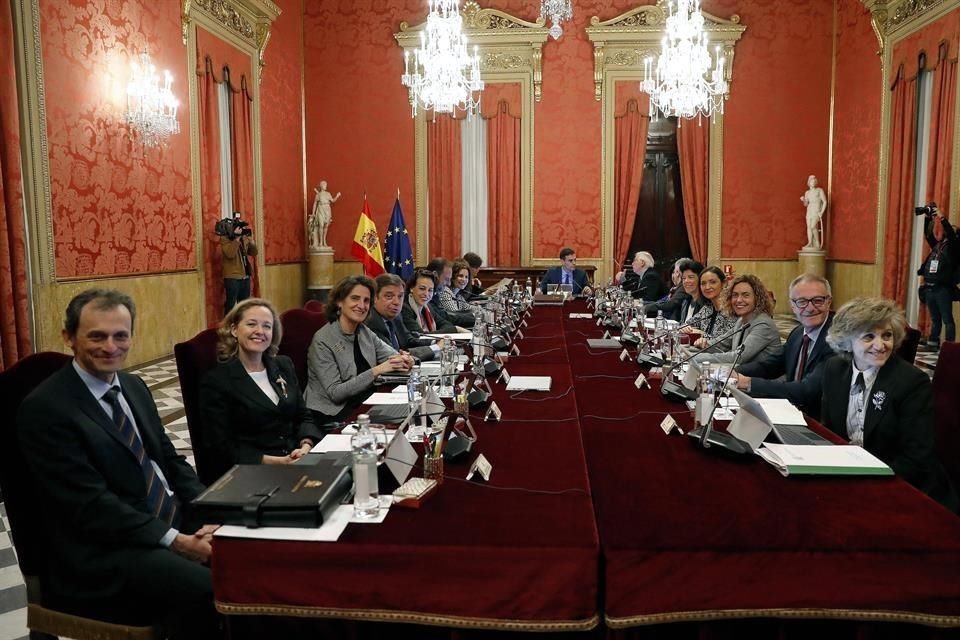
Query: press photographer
[938,273]
[236,243]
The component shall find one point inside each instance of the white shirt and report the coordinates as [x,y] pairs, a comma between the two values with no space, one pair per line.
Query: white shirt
[260,377]
[857,404]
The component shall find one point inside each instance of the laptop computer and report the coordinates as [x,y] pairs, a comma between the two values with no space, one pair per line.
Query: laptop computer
[396,413]
[753,411]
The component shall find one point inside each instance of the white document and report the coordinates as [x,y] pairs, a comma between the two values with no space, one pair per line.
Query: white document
[450,336]
[333,525]
[781,411]
[529,383]
[581,316]
[813,459]
[386,398]
[333,442]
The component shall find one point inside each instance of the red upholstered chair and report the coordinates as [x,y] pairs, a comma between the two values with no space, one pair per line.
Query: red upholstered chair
[315,305]
[946,402]
[24,506]
[194,358]
[299,325]
[908,348]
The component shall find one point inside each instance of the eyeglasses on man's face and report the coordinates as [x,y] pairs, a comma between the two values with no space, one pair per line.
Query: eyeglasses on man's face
[803,303]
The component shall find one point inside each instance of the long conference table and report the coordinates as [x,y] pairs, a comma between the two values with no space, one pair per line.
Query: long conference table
[593,516]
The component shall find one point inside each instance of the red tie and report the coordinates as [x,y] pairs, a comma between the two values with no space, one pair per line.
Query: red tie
[428,319]
[802,361]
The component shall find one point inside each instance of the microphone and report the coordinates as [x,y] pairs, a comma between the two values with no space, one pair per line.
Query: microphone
[669,387]
[706,436]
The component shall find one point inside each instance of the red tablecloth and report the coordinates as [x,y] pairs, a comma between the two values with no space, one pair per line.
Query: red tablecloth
[520,553]
[690,535]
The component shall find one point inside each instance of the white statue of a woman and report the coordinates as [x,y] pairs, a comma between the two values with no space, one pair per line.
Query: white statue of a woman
[322,216]
[816,203]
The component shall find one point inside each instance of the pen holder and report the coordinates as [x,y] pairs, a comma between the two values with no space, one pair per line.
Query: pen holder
[461,406]
[433,468]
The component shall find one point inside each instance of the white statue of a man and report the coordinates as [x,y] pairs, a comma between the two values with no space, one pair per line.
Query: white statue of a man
[816,203]
[322,216]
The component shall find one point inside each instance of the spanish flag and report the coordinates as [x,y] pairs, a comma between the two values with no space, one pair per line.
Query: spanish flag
[366,243]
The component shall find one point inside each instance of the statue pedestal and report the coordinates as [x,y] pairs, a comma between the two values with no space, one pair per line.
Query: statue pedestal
[813,261]
[320,273]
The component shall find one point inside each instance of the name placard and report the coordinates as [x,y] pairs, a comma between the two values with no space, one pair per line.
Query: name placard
[524,324]
[624,355]
[504,376]
[482,466]
[515,350]
[606,335]
[493,413]
[669,424]
[641,382]
[519,335]
[599,320]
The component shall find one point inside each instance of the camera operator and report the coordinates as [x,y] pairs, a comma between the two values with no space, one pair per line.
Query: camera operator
[237,246]
[938,273]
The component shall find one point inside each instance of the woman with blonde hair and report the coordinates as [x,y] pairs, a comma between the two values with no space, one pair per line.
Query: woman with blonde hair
[253,410]
[879,401]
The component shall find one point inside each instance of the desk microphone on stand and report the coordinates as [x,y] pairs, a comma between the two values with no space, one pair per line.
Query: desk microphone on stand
[705,436]
[669,387]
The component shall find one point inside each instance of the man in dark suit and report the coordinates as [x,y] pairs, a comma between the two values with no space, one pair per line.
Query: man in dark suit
[567,273]
[796,373]
[115,488]
[384,319]
[643,282]
[473,288]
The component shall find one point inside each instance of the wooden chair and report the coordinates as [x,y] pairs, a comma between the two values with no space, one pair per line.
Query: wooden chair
[315,305]
[194,358]
[299,325]
[908,348]
[946,403]
[24,508]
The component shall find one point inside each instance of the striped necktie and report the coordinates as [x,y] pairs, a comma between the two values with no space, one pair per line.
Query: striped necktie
[802,360]
[164,506]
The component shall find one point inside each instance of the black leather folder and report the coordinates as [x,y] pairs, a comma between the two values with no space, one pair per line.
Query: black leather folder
[264,495]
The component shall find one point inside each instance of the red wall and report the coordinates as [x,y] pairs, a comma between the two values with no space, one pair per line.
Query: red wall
[359,134]
[856,137]
[117,209]
[281,118]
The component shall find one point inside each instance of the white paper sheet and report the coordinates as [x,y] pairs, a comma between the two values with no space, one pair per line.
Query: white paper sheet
[329,531]
[529,383]
[333,442]
[380,398]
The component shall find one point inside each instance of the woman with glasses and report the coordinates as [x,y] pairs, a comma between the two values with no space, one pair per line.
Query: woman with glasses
[419,314]
[252,408]
[748,302]
[346,356]
[709,320]
[879,401]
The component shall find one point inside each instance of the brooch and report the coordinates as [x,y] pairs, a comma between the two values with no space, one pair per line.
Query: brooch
[878,399]
[283,386]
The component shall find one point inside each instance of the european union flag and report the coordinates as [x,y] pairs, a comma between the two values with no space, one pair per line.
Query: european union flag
[399,258]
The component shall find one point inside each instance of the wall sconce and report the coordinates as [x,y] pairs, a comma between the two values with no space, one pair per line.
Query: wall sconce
[151,109]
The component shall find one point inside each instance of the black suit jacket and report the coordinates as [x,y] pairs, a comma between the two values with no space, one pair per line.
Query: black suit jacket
[650,287]
[672,307]
[378,324]
[899,422]
[97,515]
[241,424]
[804,393]
[554,275]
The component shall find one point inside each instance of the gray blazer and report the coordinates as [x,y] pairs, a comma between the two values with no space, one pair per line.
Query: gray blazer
[332,379]
[760,340]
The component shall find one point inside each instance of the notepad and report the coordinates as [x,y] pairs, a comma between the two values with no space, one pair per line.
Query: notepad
[529,383]
[841,460]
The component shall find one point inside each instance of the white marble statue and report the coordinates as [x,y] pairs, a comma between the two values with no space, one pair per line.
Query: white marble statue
[321,217]
[816,203]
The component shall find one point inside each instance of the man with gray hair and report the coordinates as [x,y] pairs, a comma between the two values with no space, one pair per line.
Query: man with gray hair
[642,281]
[796,372]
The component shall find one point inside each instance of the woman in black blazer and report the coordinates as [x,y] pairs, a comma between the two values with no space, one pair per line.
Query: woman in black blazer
[889,412]
[253,410]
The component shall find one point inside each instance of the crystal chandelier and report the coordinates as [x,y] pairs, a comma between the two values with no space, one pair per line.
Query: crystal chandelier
[557,11]
[151,109]
[443,76]
[681,87]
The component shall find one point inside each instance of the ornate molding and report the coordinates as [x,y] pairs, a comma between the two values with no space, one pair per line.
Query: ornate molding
[894,19]
[506,43]
[248,20]
[878,20]
[626,40]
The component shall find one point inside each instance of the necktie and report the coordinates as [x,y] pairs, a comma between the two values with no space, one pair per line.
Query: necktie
[566,277]
[393,336]
[164,506]
[428,322]
[802,360]
[859,387]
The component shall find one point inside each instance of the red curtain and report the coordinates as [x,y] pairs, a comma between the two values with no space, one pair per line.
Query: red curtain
[15,340]
[503,186]
[210,191]
[900,191]
[630,144]
[444,164]
[241,132]
[693,146]
[940,158]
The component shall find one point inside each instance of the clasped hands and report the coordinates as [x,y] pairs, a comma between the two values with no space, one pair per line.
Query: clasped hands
[195,546]
[397,362]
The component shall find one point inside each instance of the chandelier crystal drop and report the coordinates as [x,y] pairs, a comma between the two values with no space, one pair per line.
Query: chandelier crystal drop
[151,108]
[688,81]
[557,11]
[442,76]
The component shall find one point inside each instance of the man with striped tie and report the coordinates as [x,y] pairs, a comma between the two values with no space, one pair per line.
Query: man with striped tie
[114,488]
